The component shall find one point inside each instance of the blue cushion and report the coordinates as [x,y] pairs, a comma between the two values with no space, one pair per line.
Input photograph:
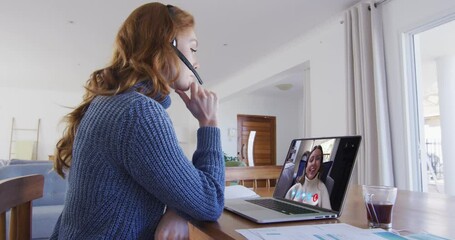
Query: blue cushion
[44,220]
[20,161]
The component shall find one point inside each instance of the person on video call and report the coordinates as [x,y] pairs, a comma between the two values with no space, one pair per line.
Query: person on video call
[128,178]
[309,188]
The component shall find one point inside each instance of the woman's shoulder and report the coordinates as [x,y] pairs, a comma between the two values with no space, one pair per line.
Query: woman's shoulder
[134,96]
[129,106]
[142,106]
[321,185]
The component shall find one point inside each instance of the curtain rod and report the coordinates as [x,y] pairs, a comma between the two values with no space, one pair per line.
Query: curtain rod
[376,4]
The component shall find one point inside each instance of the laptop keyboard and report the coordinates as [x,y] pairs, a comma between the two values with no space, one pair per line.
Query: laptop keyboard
[279,206]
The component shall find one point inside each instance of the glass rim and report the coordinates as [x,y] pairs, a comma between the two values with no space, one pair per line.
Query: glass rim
[379,187]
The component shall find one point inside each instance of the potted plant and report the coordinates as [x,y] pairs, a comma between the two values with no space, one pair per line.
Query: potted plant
[230,161]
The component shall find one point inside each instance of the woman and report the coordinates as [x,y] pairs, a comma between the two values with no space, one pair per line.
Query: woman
[310,189]
[120,152]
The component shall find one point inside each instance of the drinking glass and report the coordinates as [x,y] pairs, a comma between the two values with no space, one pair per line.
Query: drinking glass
[379,201]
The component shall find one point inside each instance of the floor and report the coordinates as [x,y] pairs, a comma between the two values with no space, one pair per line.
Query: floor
[436,186]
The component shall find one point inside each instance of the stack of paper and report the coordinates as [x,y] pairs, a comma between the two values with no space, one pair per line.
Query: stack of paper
[238,191]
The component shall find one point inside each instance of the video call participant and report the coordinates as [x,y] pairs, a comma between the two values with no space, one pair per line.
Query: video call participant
[310,189]
[128,178]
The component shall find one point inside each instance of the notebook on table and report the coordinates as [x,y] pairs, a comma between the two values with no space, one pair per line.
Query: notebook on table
[291,203]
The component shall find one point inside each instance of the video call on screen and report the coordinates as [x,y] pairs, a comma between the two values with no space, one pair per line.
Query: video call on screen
[338,161]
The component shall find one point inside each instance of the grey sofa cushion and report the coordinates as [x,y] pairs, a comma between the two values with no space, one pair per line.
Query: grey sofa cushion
[20,161]
[44,220]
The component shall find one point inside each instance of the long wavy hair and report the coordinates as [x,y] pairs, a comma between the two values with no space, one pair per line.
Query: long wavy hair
[142,54]
[321,167]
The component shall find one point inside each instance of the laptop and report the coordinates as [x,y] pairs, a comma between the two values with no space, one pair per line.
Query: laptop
[321,197]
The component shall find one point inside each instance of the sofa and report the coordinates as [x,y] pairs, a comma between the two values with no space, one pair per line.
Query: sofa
[47,209]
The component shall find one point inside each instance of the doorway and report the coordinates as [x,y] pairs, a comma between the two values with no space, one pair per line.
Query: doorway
[264,143]
[433,57]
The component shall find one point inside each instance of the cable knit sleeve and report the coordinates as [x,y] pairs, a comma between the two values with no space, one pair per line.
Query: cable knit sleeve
[153,157]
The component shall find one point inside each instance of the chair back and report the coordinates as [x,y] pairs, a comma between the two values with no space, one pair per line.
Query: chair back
[17,194]
[54,186]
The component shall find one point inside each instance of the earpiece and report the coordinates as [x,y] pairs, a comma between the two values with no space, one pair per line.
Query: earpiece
[185,61]
[182,57]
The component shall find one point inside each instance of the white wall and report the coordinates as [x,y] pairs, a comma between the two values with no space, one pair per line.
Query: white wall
[328,82]
[324,48]
[288,120]
[27,106]
[185,125]
[399,17]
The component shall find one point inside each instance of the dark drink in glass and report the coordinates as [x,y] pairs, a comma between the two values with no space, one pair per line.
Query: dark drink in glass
[379,201]
[380,214]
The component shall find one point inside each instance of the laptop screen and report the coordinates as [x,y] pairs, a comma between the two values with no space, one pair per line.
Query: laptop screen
[317,171]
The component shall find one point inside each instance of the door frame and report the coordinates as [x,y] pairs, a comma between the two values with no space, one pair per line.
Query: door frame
[414,115]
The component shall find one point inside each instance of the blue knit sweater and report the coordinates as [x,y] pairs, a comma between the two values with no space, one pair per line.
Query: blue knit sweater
[127,166]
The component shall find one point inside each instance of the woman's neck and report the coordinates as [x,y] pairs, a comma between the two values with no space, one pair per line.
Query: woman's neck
[313,180]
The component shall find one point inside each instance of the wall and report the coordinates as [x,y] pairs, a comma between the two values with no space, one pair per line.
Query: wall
[324,48]
[399,17]
[27,106]
[286,111]
[185,125]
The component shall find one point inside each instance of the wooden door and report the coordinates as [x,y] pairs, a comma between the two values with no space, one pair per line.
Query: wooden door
[264,149]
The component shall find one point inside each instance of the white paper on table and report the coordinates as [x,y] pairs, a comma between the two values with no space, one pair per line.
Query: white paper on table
[337,231]
[239,191]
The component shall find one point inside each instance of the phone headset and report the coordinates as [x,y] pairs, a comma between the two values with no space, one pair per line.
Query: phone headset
[180,54]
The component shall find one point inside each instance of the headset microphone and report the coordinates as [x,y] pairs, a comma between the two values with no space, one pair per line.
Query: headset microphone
[185,60]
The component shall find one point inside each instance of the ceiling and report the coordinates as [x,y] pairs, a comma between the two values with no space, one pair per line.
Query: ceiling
[56,45]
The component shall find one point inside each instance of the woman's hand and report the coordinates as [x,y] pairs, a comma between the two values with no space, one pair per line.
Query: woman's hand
[172,227]
[203,104]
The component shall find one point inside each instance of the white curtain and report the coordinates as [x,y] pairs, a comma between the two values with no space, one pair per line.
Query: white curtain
[368,112]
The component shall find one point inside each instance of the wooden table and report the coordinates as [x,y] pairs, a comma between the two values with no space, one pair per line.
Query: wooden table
[413,212]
